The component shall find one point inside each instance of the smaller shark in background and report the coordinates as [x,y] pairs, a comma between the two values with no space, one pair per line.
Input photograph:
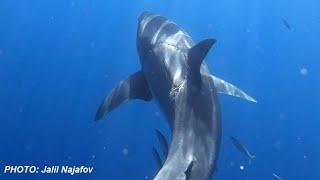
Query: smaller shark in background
[242,148]
[286,24]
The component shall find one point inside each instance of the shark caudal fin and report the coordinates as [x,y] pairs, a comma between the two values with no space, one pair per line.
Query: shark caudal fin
[230,89]
[133,87]
[196,55]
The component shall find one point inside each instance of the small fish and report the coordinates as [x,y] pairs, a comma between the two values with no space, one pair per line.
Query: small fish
[286,24]
[157,158]
[163,142]
[275,176]
[242,148]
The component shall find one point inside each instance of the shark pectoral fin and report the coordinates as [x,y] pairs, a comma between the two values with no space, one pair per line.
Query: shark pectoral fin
[196,55]
[133,87]
[227,88]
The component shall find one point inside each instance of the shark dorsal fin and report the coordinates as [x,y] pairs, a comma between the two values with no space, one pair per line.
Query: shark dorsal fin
[198,52]
[196,55]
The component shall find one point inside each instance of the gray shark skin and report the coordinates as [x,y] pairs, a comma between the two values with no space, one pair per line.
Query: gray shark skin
[173,73]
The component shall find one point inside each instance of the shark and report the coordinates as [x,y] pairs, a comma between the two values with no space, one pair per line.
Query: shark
[174,74]
[243,149]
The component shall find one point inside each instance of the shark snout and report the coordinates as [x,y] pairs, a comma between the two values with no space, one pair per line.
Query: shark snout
[144,15]
[144,19]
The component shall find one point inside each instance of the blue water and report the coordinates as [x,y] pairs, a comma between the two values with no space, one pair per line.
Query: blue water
[58,59]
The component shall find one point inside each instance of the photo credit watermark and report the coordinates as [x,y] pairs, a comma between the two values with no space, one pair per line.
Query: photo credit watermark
[31,169]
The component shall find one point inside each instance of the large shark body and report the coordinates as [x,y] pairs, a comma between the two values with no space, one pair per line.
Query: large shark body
[174,74]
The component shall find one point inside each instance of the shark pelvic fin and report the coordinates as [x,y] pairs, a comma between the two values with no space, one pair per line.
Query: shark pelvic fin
[230,89]
[196,55]
[133,87]
[188,171]
[157,158]
[163,142]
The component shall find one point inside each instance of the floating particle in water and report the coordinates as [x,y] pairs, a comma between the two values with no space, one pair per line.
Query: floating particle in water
[146,177]
[125,151]
[277,146]
[241,168]
[157,114]
[73,3]
[99,132]
[93,156]
[92,45]
[259,49]
[1,51]
[248,30]
[304,71]
[51,18]
[104,148]
[282,115]
[21,109]
[231,164]
[299,139]
[304,156]
[28,148]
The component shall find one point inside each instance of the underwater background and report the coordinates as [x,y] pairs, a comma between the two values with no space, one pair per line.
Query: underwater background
[58,60]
